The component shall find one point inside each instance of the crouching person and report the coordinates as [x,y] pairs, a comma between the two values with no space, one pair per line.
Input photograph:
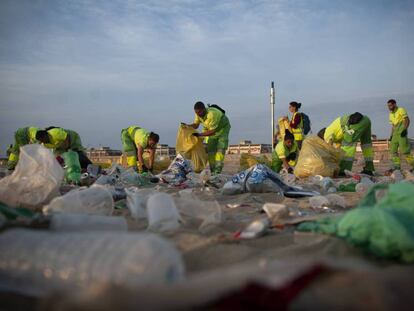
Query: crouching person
[285,154]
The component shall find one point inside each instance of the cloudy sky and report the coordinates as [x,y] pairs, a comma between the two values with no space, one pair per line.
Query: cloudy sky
[99,66]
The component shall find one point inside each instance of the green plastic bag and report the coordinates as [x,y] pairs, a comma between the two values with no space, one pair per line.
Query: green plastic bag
[384,228]
[72,167]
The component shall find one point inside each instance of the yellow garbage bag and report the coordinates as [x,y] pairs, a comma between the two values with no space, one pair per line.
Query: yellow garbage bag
[191,147]
[247,160]
[317,158]
[161,163]
[283,125]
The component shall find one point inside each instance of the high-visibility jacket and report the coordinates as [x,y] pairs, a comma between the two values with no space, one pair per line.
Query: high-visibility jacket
[298,131]
[334,132]
[139,136]
[397,119]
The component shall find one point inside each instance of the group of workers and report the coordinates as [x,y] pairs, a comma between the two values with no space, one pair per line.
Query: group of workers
[344,132]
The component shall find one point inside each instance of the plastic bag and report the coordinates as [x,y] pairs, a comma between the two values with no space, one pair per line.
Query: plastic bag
[35,263]
[191,147]
[317,158]
[96,200]
[384,227]
[162,213]
[35,181]
[137,201]
[177,171]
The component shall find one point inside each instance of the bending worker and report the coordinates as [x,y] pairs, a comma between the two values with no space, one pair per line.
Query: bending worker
[23,136]
[134,141]
[62,140]
[296,123]
[346,132]
[399,137]
[285,154]
[216,128]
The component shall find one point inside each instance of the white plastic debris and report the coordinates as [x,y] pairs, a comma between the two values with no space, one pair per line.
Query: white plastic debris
[275,210]
[255,229]
[39,262]
[136,202]
[330,200]
[364,185]
[162,213]
[397,176]
[96,200]
[35,181]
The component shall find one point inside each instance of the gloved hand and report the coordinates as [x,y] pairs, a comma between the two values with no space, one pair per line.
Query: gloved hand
[196,134]
[404,133]
[184,124]
[391,137]
[290,170]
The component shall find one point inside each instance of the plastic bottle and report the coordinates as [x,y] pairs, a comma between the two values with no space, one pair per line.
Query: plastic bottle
[350,187]
[162,213]
[36,262]
[255,229]
[96,200]
[75,222]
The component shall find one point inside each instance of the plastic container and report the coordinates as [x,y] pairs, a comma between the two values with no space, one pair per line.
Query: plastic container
[74,223]
[162,213]
[72,167]
[96,200]
[36,263]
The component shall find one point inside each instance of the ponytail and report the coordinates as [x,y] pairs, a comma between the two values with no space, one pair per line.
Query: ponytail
[296,105]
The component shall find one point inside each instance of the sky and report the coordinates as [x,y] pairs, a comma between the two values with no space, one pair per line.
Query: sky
[99,66]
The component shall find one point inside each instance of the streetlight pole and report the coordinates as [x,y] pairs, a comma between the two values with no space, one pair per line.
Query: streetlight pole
[272,108]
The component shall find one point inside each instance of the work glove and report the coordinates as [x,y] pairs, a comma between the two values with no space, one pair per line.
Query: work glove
[391,137]
[196,134]
[184,124]
[290,170]
[404,133]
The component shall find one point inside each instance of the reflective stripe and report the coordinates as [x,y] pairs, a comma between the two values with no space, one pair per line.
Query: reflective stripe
[348,159]
[13,157]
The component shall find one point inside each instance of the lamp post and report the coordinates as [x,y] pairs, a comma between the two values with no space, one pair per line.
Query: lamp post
[272,108]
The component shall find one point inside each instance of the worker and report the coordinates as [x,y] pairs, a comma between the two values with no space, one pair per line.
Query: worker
[285,153]
[23,136]
[135,140]
[296,123]
[62,140]
[399,136]
[345,132]
[216,129]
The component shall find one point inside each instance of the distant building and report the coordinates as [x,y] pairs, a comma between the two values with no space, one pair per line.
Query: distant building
[165,150]
[104,155]
[246,146]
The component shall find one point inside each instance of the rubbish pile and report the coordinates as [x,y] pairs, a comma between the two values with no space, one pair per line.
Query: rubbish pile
[127,229]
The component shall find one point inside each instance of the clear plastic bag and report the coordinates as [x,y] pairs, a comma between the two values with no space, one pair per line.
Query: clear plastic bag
[35,181]
[96,200]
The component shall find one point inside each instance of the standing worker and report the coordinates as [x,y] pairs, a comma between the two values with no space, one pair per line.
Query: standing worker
[285,153]
[399,136]
[135,140]
[346,132]
[23,136]
[296,123]
[216,127]
[62,140]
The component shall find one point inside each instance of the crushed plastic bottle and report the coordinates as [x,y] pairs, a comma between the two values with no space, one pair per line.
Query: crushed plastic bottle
[96,200]
[162,212]
[330,200]
[38,262]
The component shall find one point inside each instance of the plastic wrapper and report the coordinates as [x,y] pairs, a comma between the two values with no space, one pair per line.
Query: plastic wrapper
[35,181]
[96,200]
[191,147]
[36,263]
[177,171]
[317,158]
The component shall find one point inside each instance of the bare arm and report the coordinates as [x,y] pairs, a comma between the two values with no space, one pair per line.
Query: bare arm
[285,163]
[140,152]
[406,122]
[208,133]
